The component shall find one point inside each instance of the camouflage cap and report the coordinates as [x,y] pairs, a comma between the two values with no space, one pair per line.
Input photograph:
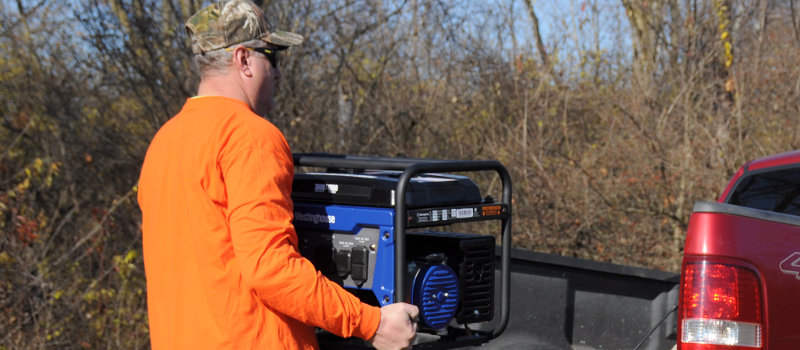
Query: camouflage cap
[228,22]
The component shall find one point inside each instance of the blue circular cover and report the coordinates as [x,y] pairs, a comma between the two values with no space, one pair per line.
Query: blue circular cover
[435,292]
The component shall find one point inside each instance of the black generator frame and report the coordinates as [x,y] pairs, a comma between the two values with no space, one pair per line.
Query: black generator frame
[411,167]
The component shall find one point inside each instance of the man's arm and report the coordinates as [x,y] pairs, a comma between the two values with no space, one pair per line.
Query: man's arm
[258,173]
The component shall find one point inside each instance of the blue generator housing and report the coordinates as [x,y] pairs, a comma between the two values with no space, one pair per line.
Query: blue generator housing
[350,245]
[363,222]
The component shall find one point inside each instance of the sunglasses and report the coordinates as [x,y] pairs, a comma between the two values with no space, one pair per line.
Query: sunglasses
[272,54]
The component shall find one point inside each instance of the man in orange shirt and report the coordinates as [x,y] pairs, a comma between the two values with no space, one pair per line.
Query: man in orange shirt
[220,251]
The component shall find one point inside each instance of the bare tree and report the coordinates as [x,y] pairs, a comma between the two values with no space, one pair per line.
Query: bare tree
[646,19]
[543,55]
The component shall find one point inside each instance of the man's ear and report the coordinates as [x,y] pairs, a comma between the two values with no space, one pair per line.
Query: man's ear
[241,58]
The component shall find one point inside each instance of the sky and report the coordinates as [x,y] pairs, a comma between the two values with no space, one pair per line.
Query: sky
[569,28]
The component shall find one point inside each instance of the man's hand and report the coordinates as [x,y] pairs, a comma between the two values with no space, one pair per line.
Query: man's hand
[398,327]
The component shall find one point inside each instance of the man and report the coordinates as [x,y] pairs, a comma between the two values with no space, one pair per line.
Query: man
[220,251]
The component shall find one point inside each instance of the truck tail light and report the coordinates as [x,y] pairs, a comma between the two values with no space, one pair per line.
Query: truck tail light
[720,307]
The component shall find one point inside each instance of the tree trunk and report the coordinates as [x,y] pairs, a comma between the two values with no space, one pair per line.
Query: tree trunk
[539,43]
[646,19]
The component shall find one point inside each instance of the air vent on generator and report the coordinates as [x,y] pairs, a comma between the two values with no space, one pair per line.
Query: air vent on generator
[476,273]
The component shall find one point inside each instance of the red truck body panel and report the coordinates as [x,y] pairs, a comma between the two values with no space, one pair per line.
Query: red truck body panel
[767,247]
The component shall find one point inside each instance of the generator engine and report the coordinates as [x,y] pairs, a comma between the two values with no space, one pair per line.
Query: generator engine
[352,220]
[435,290]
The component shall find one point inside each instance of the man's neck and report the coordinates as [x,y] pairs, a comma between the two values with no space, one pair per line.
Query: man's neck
[222,85]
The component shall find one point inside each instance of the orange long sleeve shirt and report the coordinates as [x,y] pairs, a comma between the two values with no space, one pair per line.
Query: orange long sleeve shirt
[220,251]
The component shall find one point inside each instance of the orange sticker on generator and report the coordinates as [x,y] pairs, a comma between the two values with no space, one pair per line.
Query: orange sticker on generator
[491,210]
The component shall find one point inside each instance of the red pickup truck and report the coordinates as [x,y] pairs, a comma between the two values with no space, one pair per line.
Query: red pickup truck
[740,280]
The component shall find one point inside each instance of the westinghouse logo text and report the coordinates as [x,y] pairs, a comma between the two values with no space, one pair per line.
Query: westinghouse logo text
[314,217]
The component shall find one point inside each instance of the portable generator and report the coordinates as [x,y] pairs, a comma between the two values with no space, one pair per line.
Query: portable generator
[352,219]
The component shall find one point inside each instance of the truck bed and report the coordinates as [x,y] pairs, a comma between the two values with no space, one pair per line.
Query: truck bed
[561,302]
